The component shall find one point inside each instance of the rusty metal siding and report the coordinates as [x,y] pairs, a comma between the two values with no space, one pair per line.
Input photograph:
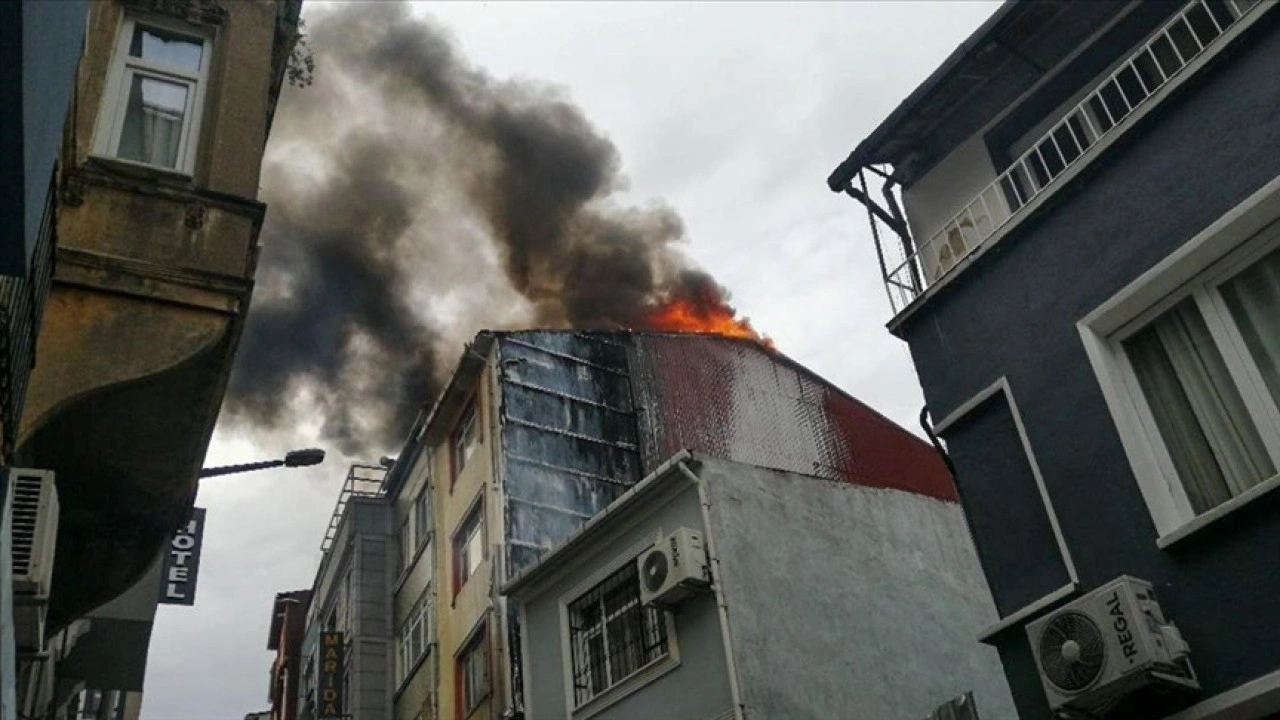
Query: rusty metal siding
[737,400]
[569,438]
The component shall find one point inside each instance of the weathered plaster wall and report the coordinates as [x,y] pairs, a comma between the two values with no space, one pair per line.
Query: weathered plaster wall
[698,689]
[847,601]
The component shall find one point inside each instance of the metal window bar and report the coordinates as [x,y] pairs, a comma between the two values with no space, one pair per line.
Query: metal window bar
[1139,77]
[611,635]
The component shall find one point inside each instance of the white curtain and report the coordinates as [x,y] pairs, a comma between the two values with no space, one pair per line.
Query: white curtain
[1254,299]
[161,133]
[1201,416]
[153,121]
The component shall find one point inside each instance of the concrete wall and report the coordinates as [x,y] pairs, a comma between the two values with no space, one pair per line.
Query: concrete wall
[113,654]
[697,689]
[352,588]
[1013,314]
[846,601]
[945,190]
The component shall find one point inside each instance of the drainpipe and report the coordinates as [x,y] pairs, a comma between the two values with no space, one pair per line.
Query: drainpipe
[933,438]
[722,605]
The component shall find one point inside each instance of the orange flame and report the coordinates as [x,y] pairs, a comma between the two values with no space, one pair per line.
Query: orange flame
[682,315]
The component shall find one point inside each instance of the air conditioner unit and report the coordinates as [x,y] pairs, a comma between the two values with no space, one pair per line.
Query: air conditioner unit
[33,503]
[673,568]
[1106,645]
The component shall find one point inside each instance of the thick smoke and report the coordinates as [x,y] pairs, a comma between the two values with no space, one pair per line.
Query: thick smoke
[415,200]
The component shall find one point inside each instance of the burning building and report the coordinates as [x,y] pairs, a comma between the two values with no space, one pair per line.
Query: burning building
[537,433]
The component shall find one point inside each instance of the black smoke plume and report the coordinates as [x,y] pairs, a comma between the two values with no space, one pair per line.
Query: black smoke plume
[414,200]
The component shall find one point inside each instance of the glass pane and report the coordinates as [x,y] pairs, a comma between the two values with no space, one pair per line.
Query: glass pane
[624,644]
[166,48]
[1215,447]
[1253,297]
[153,122]
[596,664]
[475,552]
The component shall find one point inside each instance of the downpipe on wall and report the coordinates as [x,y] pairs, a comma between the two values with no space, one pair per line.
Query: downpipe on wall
[722,606]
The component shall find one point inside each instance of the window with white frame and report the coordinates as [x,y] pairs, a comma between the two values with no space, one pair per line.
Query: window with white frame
[152,105]
[611,635]
[1205,379]
[407,545]
[468,546]
[465,439]
[413,637]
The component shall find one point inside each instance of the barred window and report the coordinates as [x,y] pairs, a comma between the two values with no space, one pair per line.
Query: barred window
[612,635]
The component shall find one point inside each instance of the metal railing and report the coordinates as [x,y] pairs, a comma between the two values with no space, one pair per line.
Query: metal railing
[22,302]
[1196,27]
[362,481]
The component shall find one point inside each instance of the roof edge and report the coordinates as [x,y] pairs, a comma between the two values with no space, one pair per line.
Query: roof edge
[859,157]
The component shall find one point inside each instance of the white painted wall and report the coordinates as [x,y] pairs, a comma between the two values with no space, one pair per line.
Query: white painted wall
[849,602]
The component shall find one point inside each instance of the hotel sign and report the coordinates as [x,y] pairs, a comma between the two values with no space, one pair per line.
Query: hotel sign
[331,662]
[178,576]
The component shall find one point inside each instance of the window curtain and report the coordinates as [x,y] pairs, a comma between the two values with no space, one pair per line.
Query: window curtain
[1253,297]
[161,131]
[1199,413]
[153,122]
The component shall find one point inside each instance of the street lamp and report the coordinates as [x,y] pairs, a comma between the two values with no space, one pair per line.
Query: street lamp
[293,458]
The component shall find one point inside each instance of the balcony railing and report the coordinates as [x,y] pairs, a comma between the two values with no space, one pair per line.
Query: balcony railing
[1197,27]
[367,481]
[21,308]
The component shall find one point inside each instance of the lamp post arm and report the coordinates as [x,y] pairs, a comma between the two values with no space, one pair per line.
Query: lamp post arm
[245,467]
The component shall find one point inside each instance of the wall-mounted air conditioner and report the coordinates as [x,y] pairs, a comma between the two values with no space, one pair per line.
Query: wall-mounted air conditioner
[33,503]
[1106,645]
[673,568]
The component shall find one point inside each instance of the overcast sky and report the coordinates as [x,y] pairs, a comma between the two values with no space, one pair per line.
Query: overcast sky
[734,114]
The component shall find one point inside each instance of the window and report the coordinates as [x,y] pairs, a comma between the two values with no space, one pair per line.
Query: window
[611,635]
[413,637]
[465,439]
[468,546]
[1206,374]
[407,546]
[473,671]
[152,104]
[422,514]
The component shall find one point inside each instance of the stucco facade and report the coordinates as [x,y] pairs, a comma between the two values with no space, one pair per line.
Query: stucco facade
[838,601]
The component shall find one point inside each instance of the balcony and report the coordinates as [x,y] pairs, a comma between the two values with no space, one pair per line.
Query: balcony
[1161,63]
